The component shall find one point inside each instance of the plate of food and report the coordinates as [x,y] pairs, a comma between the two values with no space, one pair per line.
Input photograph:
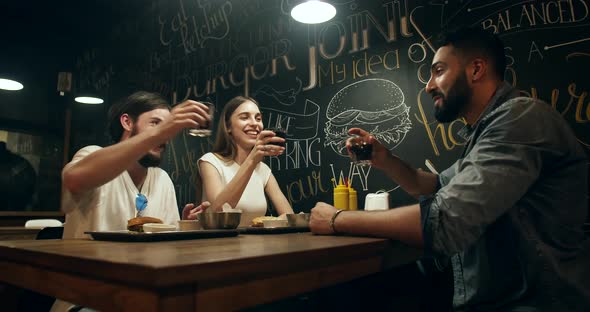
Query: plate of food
[148,229]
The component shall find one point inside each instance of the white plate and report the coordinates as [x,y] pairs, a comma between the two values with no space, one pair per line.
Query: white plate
[158,227]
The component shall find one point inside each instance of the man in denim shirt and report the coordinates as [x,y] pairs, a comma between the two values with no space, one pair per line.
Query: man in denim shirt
[509,213]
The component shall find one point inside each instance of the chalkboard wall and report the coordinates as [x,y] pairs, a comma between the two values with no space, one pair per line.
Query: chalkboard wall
[367,67]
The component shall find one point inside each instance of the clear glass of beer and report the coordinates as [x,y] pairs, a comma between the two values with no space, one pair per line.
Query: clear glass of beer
[204,130]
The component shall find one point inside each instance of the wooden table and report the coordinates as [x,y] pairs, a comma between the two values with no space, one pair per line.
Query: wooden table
[17,232]
[207,274]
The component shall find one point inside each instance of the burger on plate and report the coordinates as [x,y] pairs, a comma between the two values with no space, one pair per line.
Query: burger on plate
[375,105]
[136,224]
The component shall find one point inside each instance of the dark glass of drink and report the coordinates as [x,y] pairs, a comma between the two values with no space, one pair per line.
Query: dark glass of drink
[280,132]
[361,151]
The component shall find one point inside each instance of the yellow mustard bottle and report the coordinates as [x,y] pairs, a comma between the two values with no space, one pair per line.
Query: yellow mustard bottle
[341,196]
[352,199]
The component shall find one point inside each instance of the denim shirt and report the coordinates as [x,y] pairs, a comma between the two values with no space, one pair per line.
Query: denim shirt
[510,212]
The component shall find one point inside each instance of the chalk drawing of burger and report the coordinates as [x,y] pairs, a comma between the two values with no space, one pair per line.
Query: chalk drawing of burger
[376,105]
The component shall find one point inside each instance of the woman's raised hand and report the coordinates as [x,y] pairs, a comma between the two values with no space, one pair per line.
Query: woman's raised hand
[266,145]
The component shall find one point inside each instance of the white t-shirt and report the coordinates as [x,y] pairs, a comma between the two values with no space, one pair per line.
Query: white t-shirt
[108,207]
[253,202]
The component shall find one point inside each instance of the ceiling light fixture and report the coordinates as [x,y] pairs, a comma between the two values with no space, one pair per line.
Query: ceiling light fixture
[88,100]
[313,12]
[10,85]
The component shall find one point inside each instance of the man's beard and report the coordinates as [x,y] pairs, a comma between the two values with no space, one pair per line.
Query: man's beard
[148,160]
[454,103]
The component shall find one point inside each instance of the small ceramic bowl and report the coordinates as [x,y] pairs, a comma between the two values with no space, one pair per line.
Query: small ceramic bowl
[275,223]
[189,225]
[158,227]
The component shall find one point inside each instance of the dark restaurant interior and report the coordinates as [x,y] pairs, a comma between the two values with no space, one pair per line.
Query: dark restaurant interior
[368,66]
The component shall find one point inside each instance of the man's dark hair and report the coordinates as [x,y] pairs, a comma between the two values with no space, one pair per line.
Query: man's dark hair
[133,105]
[474,42]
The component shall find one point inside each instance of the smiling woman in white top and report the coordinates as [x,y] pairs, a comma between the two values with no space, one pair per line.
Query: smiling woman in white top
[233,172]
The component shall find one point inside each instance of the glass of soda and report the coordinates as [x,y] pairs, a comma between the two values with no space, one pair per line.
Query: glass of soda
[361,150]
[280,132]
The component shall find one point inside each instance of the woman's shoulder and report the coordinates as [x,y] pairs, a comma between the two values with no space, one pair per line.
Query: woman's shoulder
[211,157]
[263,168]
[207,156]
[215,158]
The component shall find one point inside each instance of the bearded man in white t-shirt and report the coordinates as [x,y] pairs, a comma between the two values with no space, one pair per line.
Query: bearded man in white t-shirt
[101,186]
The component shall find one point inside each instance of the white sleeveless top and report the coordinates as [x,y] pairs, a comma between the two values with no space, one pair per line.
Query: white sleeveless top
[253,201]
